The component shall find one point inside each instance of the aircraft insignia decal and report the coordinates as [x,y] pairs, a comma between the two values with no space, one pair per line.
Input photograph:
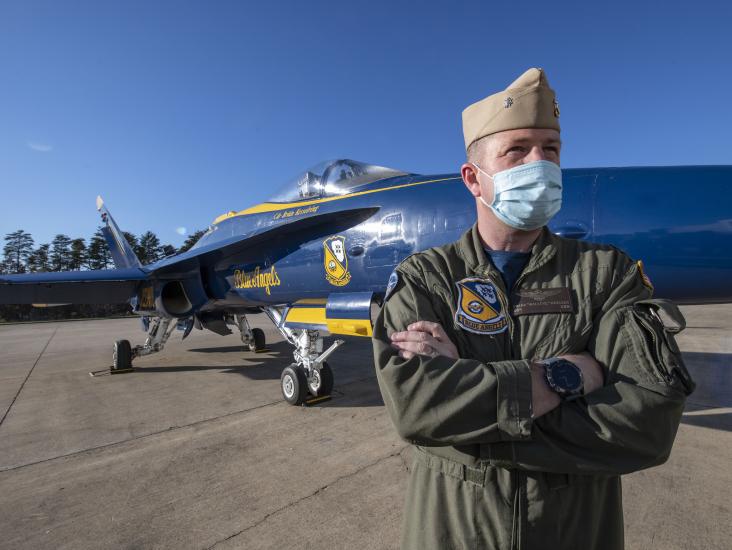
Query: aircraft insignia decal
[336,261]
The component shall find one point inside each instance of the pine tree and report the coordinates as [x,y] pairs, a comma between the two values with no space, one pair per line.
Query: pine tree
[133,242]
[60,253]
[149,248]
[191,240]
[78,255]
[168,250]
[38,260]
[98,256]
[18,246]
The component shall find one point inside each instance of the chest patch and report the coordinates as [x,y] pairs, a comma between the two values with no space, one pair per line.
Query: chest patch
[542,300]
[478,308]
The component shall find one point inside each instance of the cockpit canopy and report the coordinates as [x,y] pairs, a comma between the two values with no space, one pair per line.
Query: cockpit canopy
[333,178]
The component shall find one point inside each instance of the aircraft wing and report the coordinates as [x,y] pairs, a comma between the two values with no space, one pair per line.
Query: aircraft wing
[104,286]
[293,234]
[113,286]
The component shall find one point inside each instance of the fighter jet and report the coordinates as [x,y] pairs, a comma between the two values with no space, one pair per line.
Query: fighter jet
[317,256]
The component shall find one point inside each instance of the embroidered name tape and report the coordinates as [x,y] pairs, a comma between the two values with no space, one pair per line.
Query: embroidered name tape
[542,300]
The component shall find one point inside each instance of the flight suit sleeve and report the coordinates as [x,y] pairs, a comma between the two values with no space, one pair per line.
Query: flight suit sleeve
[438,401]
[630,423]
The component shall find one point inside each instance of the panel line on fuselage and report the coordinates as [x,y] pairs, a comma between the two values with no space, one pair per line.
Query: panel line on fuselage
[275,206]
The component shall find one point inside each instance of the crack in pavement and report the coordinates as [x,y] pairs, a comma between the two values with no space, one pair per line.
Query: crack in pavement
[311,495]
[152,434]
[28,376]
[143,436]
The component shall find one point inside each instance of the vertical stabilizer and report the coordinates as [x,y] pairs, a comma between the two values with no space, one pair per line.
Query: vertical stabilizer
[122,253]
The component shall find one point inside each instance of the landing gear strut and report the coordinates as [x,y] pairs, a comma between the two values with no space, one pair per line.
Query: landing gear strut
[309,378]
[157,336]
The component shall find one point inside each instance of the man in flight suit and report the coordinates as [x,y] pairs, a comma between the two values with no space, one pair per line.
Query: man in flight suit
[529,371]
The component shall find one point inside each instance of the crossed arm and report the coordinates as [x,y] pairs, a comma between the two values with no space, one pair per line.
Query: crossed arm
[430,339]
[626,421]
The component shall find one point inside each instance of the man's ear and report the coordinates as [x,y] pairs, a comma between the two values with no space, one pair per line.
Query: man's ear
[470,178]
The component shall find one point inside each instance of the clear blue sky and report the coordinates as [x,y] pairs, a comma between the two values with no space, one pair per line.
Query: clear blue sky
[176,112]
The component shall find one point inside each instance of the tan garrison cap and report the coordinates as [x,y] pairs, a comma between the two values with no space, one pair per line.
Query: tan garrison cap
[528,102]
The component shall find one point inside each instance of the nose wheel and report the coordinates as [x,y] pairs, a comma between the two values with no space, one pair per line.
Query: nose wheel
[320,382]
[293,384]
[297,387]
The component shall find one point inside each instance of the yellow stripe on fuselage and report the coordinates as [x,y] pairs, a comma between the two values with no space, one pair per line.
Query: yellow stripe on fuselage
[316,316]
[275,206]
[350,327]
[306,315]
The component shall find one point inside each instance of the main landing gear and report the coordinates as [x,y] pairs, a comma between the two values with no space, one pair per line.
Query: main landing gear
[309,379]
[159,331]
[253,338]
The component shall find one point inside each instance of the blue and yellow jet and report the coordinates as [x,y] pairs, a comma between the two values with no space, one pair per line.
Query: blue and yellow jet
[316,258]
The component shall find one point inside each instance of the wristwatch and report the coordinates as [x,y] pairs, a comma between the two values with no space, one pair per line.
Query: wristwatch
[564,378]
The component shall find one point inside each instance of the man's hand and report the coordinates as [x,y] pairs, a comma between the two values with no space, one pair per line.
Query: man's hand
[423,338]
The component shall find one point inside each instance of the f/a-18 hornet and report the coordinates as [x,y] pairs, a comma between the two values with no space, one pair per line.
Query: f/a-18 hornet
[316,258]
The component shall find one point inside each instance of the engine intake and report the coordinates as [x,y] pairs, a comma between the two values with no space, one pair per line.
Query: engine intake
[174,300]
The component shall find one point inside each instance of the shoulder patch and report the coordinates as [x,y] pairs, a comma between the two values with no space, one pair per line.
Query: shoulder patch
[479,309]
[391,285]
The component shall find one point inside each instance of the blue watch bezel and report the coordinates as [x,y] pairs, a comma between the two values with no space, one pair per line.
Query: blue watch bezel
[564,391]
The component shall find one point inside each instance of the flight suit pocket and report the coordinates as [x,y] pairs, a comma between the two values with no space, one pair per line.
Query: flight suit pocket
[652,325]
[564,333]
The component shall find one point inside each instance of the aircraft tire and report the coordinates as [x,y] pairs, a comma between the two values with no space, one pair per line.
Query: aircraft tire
[323,384]
[122,355]
[260,342]
[294,385]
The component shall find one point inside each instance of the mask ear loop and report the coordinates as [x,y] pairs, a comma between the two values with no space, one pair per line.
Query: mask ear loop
[481,170]
[481,199]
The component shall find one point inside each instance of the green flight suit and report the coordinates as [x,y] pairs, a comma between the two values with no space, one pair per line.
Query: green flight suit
[485,474]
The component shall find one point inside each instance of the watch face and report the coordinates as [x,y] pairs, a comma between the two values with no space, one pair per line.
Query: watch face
[566,376]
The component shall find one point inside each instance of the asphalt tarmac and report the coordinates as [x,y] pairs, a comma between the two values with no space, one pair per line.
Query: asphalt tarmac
[196,448]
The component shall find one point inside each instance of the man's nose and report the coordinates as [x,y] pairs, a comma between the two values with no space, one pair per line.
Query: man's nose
[536,153]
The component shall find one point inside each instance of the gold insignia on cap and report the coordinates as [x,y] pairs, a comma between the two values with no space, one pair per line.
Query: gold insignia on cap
[528,102]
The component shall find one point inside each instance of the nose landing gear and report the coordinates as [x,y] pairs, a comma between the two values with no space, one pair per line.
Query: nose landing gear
[309,379]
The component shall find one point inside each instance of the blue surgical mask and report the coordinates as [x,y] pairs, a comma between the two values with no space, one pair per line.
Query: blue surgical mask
[526,196]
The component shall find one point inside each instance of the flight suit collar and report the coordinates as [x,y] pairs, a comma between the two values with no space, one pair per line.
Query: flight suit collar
[476,259]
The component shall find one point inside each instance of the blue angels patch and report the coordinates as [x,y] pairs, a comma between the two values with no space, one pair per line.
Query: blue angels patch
[479,309]
[391,285]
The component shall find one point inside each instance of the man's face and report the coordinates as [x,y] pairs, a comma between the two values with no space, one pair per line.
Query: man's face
[508,149]
[511,148]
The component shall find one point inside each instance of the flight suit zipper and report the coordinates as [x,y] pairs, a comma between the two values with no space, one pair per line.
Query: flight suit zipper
[518,477]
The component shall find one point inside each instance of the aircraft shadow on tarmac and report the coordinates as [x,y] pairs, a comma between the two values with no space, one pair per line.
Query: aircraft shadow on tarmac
[712,373]
[356,384]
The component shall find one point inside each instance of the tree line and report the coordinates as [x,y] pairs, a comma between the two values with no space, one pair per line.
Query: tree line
[21,255]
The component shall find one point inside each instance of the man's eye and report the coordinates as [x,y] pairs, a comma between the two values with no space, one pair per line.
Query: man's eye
[516,149]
